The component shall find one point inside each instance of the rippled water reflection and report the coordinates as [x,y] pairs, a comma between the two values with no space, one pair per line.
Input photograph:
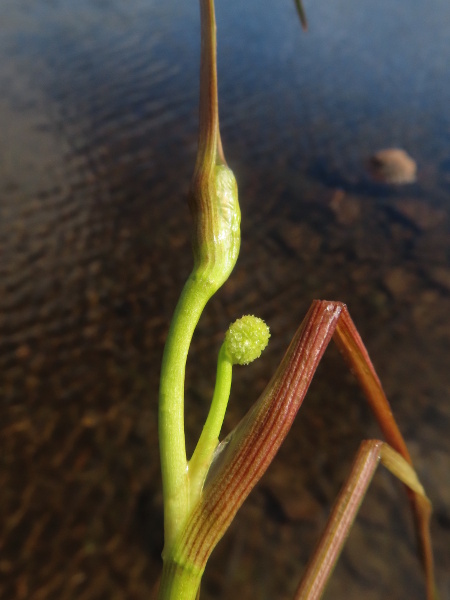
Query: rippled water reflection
[98,116]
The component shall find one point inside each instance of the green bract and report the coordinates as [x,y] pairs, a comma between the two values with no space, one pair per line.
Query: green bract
[245,339]
[217,217]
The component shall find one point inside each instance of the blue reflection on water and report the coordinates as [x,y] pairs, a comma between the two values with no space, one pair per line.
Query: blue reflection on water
[367,74]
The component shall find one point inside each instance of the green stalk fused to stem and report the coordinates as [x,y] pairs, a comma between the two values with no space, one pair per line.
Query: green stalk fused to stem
[245,340]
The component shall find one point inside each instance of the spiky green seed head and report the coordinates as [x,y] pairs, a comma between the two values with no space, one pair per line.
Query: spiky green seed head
[245,339]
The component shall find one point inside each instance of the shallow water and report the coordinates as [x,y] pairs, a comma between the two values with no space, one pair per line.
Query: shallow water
[98,116]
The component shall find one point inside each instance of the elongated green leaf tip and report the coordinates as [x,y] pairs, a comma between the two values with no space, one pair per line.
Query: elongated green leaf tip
[245,339]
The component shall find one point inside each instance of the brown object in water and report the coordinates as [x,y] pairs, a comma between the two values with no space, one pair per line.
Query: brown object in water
[392,165]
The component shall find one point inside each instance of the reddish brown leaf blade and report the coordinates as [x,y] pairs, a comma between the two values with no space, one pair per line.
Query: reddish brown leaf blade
[422,513]
[326,554]
[251,446]
[355,354]
[352,348]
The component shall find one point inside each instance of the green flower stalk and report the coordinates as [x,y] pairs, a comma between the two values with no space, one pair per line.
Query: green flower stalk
[244,341]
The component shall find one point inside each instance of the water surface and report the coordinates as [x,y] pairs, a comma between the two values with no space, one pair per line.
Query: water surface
[98,117]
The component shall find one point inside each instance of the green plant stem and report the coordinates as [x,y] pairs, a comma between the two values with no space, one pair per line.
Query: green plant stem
[194,296]
[214,205]
[209,438]
[179,582]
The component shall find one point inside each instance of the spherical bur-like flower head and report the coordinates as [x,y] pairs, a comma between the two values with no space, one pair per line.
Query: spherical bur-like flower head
[245,339]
